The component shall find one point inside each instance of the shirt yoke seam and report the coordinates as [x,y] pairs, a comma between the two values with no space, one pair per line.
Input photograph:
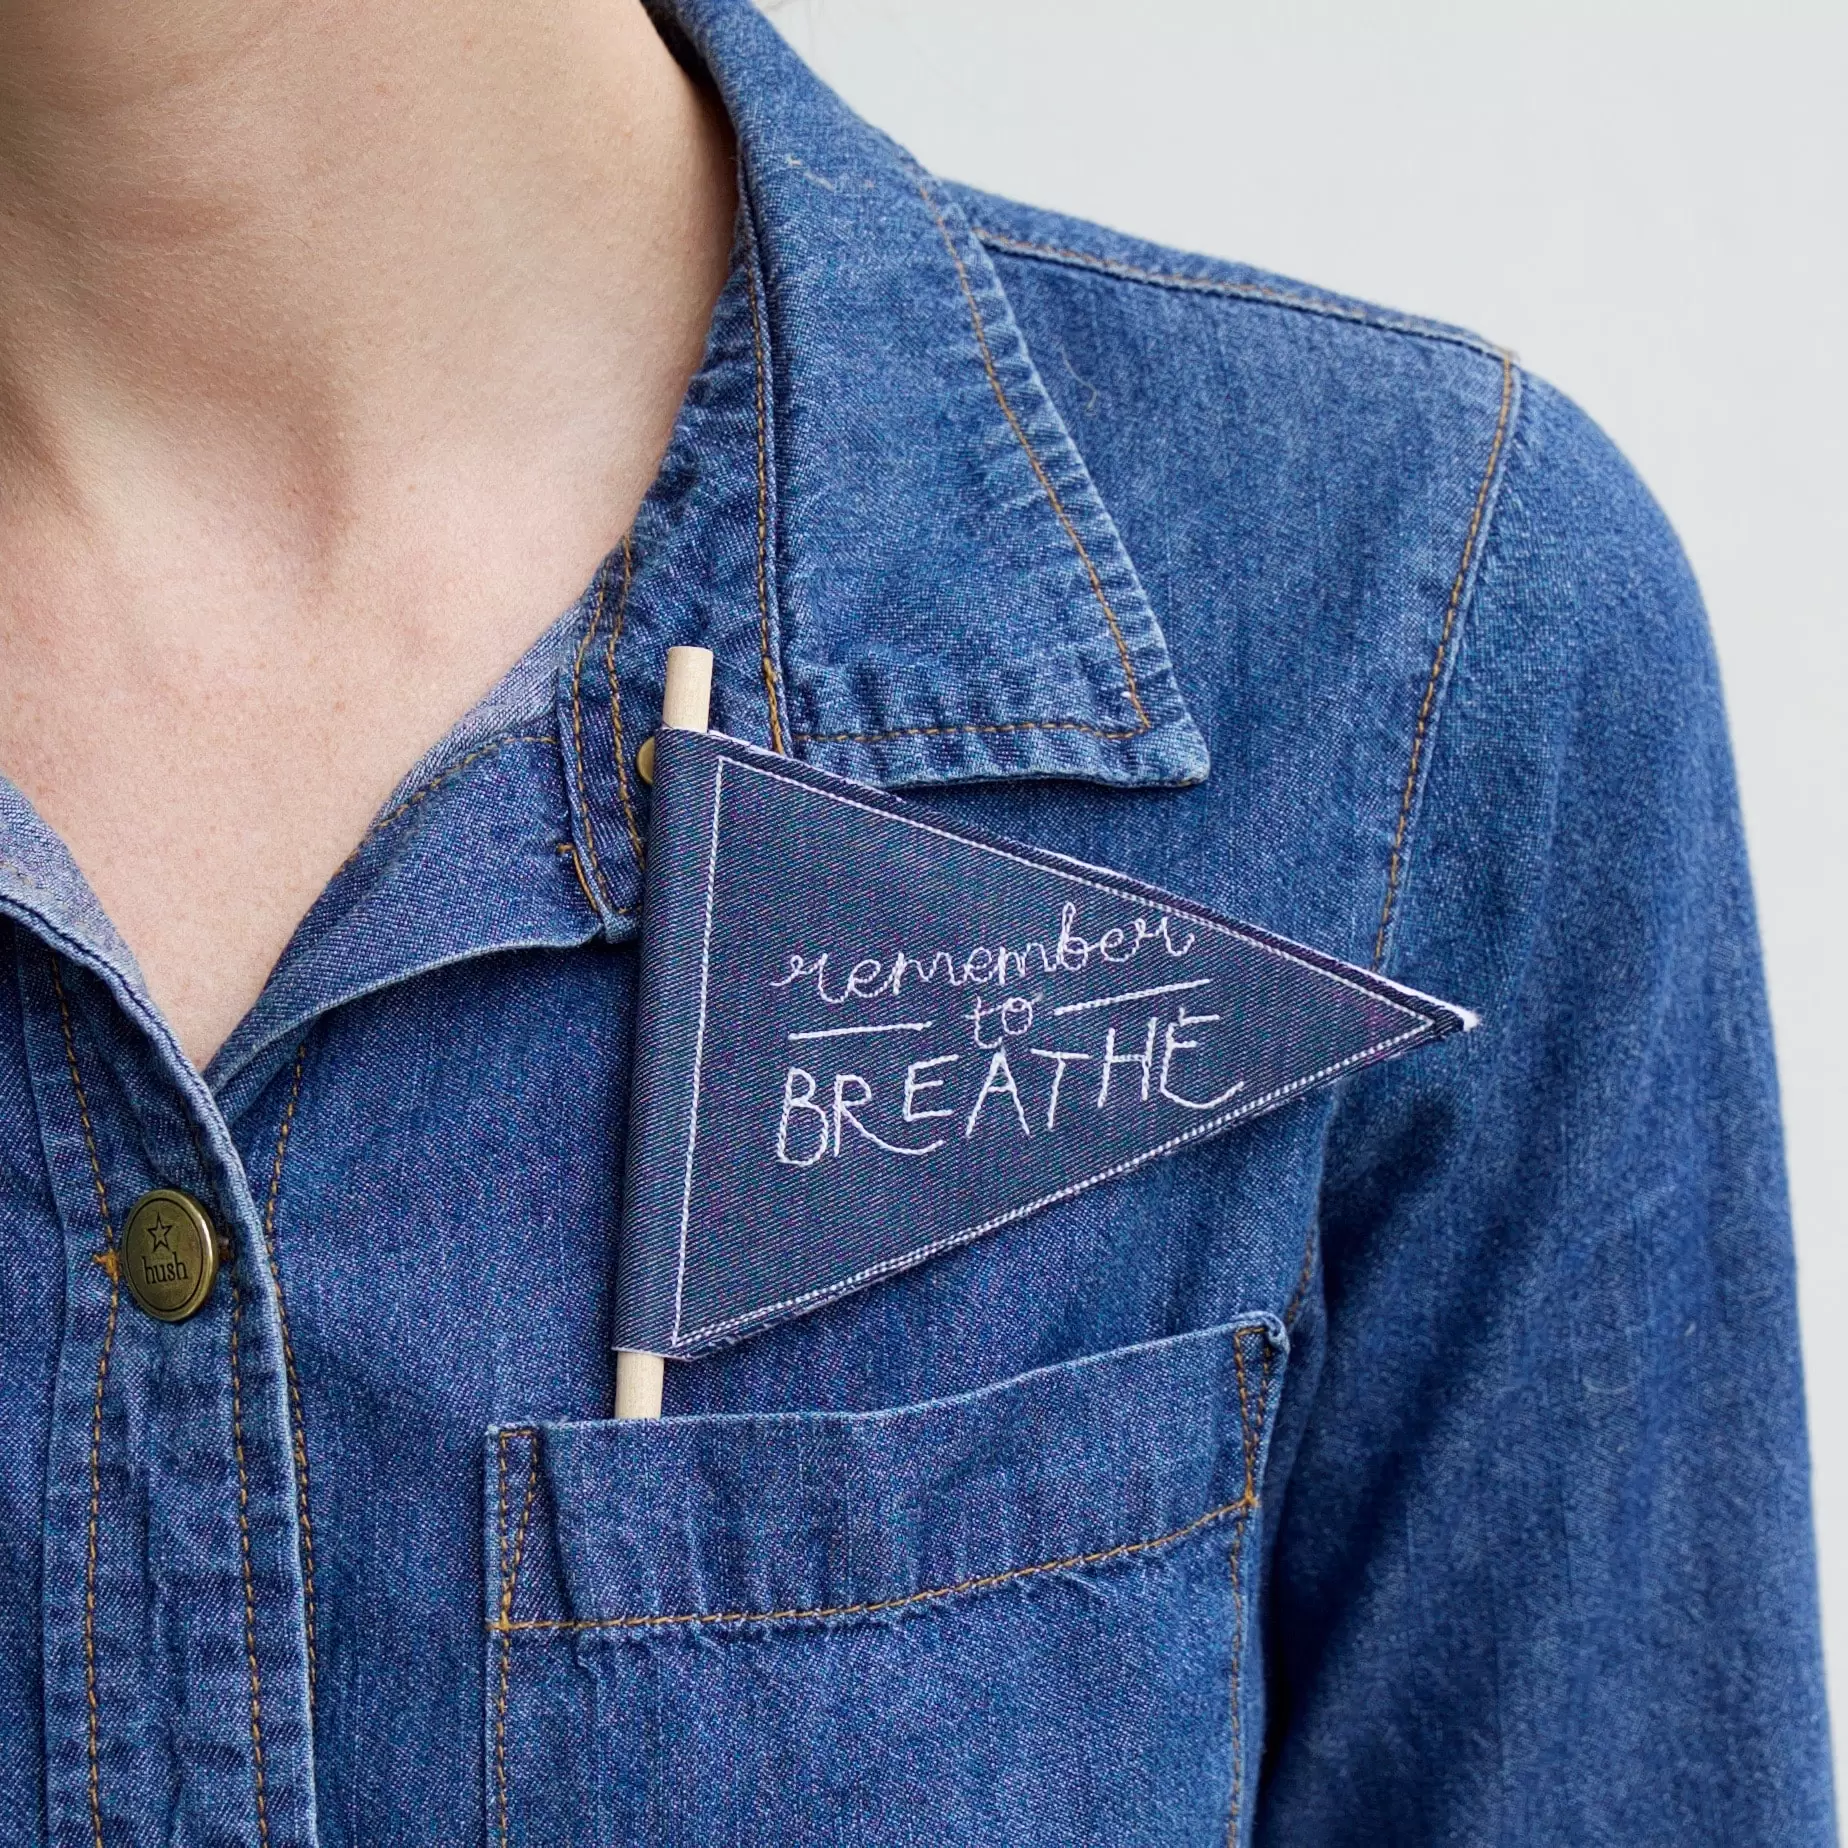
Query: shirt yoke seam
[1440,659]
[1270,295]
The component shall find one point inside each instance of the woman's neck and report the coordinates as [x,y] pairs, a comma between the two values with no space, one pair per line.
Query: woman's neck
[317,236]
[339,339]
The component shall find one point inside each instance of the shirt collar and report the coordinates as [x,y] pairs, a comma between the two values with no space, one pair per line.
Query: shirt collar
[944,596]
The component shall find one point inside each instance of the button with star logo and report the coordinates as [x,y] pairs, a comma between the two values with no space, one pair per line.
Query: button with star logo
[170,1254]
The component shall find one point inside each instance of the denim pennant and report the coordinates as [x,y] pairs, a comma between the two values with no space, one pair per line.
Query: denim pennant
[866,1037]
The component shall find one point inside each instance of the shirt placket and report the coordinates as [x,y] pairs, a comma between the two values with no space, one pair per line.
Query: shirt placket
[175,1644]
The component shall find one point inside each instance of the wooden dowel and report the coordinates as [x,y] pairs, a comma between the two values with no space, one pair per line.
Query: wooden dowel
[686,700]
[639,1379]
[686,705]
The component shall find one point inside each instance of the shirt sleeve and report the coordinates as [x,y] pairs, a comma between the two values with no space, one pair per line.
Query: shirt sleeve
[1541,1563]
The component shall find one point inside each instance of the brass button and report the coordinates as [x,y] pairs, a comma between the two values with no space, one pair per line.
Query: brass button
[170,1254]
[644,759]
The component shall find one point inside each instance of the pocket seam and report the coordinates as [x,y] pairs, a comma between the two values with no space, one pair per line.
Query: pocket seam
[1236,1807]
[1245,1504]
[1235,1810]
[509,1589]
[506,1626]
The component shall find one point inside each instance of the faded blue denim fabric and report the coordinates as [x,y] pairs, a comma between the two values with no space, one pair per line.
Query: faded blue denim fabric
[1422,1462]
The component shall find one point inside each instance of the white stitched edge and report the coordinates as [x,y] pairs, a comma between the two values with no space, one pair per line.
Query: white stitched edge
[699,1044]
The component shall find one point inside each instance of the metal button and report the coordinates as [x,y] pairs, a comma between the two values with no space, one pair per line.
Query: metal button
[644,759]
[170,1254]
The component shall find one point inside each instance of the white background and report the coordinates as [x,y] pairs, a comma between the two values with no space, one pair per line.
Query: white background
[1649,203]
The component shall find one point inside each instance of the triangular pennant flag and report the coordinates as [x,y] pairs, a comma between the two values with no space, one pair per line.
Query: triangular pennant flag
[866,1037]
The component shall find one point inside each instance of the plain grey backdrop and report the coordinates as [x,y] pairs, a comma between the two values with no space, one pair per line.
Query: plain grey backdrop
[1649,203]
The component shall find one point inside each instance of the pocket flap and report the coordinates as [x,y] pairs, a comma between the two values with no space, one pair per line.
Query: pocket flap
[812,1517]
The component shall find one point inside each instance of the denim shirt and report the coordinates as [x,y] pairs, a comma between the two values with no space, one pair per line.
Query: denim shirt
[1422,1463]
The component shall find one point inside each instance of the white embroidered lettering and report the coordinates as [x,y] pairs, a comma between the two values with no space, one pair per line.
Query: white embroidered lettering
[1171,1045]
[891,1026]
[844,1112]
[863,979]
[1059,1062]
[1073,951]
[914,1084]
[1014,1016]
[980,1023]
[1000,1078]
[1135,994]
[1011,965]
[982,965]
[1112,1059]
[1161,932]
[938,965]
[794,1100]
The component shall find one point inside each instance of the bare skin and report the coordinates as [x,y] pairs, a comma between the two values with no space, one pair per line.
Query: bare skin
[339,340]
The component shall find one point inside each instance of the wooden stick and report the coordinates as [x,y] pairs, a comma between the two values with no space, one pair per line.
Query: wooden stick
[686,700]
[686,704]
[639,1378]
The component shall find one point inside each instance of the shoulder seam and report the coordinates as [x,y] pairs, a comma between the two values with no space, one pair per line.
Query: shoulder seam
[1182,282]
[1462,589]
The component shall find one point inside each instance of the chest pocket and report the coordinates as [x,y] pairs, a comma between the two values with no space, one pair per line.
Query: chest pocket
[1021,1616]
